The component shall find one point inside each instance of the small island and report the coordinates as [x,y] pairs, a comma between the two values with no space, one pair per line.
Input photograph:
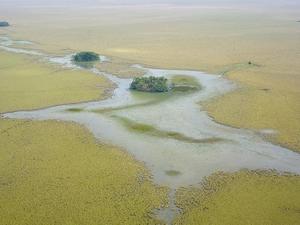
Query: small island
[177,83]
[150,84]
[86,57]
[4,24]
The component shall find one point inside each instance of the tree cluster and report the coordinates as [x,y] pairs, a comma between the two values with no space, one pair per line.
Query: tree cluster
[86,57]
[150,84]
[4,24]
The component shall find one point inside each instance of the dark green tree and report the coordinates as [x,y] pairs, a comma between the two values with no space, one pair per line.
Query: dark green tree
[4,24]
[86,57]
[150,84]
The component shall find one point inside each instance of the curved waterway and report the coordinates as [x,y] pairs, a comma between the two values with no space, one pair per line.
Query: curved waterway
[170,133]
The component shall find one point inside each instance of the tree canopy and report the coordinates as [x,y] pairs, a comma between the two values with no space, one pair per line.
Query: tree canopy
[150,84]
[86,57]
[4,24]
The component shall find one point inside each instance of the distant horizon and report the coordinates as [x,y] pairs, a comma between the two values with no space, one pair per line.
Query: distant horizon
[58,3]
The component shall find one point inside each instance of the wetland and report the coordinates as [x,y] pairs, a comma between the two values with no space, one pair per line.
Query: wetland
[195,154]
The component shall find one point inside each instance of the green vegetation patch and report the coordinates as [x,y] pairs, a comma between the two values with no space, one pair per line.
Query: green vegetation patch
[4,24]
[178,83]
[57,173]
[147,100]
[153,131]
[86,57]
[74,110]
[183,83]
[172,172]
[245,197]
[150,84]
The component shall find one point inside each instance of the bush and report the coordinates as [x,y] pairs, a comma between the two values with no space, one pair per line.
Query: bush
[150,84]
[4,24]
[86,57]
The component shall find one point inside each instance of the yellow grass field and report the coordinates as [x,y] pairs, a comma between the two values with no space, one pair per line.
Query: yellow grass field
[57,173]
[53,169]
[28,84]
[250,198]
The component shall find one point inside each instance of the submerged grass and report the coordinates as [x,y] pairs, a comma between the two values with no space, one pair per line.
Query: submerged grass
[172,173]
[146,99]
[153,131]
[74,110]
[56,173]
[247,197]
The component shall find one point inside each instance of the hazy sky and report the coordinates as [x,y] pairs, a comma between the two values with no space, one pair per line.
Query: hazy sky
[139,2]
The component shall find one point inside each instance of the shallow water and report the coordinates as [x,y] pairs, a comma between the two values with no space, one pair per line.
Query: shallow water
[178,113]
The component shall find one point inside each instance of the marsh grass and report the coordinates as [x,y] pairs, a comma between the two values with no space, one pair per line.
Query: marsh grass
[183,83]
[57,173]
[254,197]
[260,102]
[153,131]
[27,83]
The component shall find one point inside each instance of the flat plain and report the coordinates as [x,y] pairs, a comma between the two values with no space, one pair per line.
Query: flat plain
[52,169]
[213,39]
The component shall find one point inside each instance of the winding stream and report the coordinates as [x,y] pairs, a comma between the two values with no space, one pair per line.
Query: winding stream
[174,162]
